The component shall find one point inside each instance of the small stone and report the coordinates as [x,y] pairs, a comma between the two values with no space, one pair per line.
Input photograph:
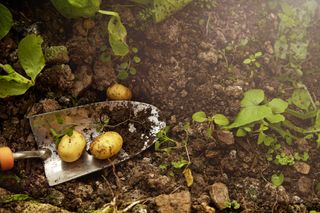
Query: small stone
[219,194]
[305,185]
[211,154]
[302,167]
[83,80]
[56,55]
[174,203]
[234,91]
[210,57]
[225,137]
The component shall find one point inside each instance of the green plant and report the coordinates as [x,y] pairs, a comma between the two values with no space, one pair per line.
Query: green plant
[277,180]
[163,139]
[292,43]
[6,21]
[218,119]
[128,67]
[252,59]
[14,198]
[232,204]
[31,58]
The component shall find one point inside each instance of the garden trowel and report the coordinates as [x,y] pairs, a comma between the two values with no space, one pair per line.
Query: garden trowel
[85,119]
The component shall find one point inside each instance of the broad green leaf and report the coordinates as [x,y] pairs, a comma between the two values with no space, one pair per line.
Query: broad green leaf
[247,61]
[258,54]
[5,21]
[77,8]
[252,97]
[199,116]
[275,118]
[277,180]
[13,83]
[220,119]
[278,105]
[301,99]
[31,56]
[117,36]
[249,115]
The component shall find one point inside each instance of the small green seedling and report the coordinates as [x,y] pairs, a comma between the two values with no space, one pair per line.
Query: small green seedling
[277,180]
[232,204]
[164,140]
[252,59]
[128,67]
[218,119]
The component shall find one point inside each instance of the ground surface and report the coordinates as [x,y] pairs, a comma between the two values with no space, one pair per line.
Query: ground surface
[185,67]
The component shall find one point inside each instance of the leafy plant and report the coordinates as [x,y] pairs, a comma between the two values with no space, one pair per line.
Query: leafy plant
[31,58]
[277,180]
[128,67]
[6,21]
[162,138]
[292,43]
[252,59]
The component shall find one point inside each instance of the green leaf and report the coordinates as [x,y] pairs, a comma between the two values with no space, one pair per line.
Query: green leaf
[133,71]
[241,132]
[123,74]
[199,116]
[249,115]
[117,36]
[31,56]
[77,8]
[179,164]
[261,137]
[6,21]
[277,180]
[220,119]
[301,99]
[136,59]
[13,83]
[247,61]
[124,65]
[275,118]
[258,54]
[134,50]
[209,132]
[164,8]
[252,97]
[278,105]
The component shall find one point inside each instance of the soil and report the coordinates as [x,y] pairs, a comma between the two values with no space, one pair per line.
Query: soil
[190,62]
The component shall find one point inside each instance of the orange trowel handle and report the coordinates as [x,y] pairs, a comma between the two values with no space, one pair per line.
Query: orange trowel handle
[6,159]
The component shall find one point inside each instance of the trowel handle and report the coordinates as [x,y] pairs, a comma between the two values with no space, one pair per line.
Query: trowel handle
[7,157]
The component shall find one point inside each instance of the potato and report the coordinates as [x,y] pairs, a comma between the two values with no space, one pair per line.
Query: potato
[70,148]
[106,145]
[119,92]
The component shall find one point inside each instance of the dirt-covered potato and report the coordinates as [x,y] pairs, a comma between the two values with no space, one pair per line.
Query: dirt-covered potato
[70,148]
[119,92]
[106,145]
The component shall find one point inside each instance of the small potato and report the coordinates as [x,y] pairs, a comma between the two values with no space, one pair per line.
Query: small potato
[71,147]
[106,145]
[119,92]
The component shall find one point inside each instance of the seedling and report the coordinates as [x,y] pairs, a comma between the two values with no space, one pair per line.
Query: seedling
[277,180]
[232,204]
[252,59]
[128,67]
[163,139]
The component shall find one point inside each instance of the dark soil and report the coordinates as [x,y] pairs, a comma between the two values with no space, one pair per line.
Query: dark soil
[190,62]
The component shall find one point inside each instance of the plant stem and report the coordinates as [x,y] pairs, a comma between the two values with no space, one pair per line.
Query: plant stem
[300,115]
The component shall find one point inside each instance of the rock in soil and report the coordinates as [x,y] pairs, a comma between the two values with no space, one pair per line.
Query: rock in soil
[174,203]
[26,207]
[302,167]
[305,184]
[219,194]
[225,137]
[104,75]
[56,55]
[83,80]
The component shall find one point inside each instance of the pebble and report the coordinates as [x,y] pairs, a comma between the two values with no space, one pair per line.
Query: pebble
[225,137]
[305,184]
[219,194]
[178,202]
[302,167]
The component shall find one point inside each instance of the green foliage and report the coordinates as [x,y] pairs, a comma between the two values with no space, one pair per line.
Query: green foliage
[128,67]
[199,116]
[6,21]
[77,8]
[31,58]
[117,36]
[292,43]
[232,204]
[277,180]
[252,59]
[164,139]
[14,198]
[164,8]
[301,99]
[179,164]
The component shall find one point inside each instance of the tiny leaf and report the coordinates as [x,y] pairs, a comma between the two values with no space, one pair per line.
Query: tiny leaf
[252,97]
[275,118]
[199,116]
[277,180]
[221,120]
[247,61]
